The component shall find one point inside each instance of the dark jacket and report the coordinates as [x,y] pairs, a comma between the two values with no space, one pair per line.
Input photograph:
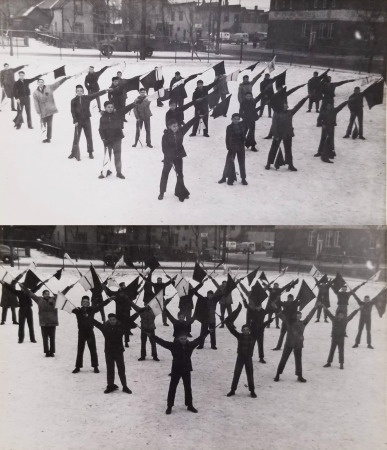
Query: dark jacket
[117,96]
[7,80]
[177,114]
[355,103]
[315,88]
[343,298]
[282,126]
[255,318]
[178,325]
[328,118]
[235,137]
[113,336]
[339,326]
[245,342]
[211,307]
[9,298]
[186,301]
[266,88]
[23,298]
[110,125]
[85,316]
[179,92]
[201,106]
[172,145]
[245,87]
[91,80]
[22,88]
[295,330]
[147,317]
[247,110]
[181,353]
[328,90]
[80,106]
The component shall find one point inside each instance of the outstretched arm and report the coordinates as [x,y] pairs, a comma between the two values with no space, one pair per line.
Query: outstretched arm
[58,83]
[311,314]
[101,305]
[340,107]
[299,105]
[257,77]
[97,94]
[100,72]
[340,83]
[232,330]
[170,317]
[166,344]
[98,325]
[328,313]
[353,314]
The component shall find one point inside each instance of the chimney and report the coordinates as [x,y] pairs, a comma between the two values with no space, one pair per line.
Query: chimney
[256,7]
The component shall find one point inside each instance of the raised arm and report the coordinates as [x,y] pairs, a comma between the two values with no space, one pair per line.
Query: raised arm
[340,107]
[98,325]
[31,80]
[257,77]
[100,72]
[232,330]
[101,305]
[97,94]
[310,315]
[353,314]
[166,344]
[127,108]
[30,294]
[58,83]
[328,313]
[299,105]
[170,317]
[340,83]
[199,340]
[16,69]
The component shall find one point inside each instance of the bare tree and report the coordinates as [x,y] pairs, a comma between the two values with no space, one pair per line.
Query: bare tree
[196,233]
[72,22]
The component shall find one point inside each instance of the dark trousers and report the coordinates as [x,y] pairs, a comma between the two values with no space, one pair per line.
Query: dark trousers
[187,312]
[178,164]
[223,309]
[115,147]
[359,116]
[287,147]
[282,335]
[118,359]
[139,124]
[263,104]
[297,358]
[47,121]
[343,309]
[86,127]
[319,309]
[337,342]
[247,362]
[196,124]
[48,335]
[25,102]
[102,311]
[367,322]
[175,378]
[125,322]
[152,341]
[250,134]
[311,101]
[259,337]
[276,319]
[12,103]
[97,98]
[164,316]
[204,328]
[88,338]
[25,313]
[326,147]
[229,167]
[5,311]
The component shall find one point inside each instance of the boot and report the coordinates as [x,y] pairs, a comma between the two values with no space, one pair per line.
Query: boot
[109,389]
[222,180]
[231,393]
[277,378]
[346,136]
[355,346]
[317,155]
[327,365]
[370,346]
[46,141]
[168,410]
[253,394]
[230,183]
[119,175]
[301,379]
[126,389]
[362,138]
[127,344]
[261,360]
[267,167]
[253,149]
[292,168]
[141,359]
[76,370]
[276,348]
[244,182]
[149,145]
[192,409]
[161,196]
[326,160]
[155,358]
[91,156]
[96,370]
[341,366]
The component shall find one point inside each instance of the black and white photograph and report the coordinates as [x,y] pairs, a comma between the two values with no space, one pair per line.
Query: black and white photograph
[193,224]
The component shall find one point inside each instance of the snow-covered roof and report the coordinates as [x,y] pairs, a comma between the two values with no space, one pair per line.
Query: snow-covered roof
[52,4]
[29,10]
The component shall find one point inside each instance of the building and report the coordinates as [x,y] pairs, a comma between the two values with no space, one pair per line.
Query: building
[356,244]
[31,18]
[337,26]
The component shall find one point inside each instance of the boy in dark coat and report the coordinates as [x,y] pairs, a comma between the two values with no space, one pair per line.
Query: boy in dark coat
[85,317]
[209,322]
[174,113]
[186,303]
[174,152]
[7,80]
[355,105]
[114,352]
[225,301]
[148,328]
[364,319]
[247,86]
[327,120]
[328,92]
[294,343]
[288,311]
[249,116]
[117,94]
[339,327]
[267,93]
[314,90]
[221,88]
[273,300]
[323,298]
[22,93]
[180,325]
[235,144]
[110,130]
[143,114]
[181,350]
[80,110]
[91,82]
[343,297]
[283,131]
[178,94]
[201,106]
[9,300]
[25,311]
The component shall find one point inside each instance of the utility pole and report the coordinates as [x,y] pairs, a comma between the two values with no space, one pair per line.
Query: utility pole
[224,248]
[143,30]
[218,27]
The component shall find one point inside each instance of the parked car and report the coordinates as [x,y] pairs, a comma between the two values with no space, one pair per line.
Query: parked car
[268,245]
[245,247]
[237,38]
[5,254]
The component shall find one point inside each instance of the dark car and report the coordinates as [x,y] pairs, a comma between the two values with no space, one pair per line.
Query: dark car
[5,254]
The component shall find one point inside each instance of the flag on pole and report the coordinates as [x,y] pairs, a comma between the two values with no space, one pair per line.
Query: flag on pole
[59,72]
[305,295]
[258,294]
[374,94]
[32,281]
[263,277]
[149,80]
[201,310]
[271,65]
[219,69]
[252,67]
[58,274]
[131,289]
[375,277]
[199,273]
[314,272]
[252,275]
[86,281]
[5,275]
[33,265]
[213,99]
[280,80]
[338,283]
[181,285]
[63,303]
[233,76]
[156,304]
[290,285]
[233,316]
[152,263]
[380,302]
[230,285]
[132,84]
[221,108]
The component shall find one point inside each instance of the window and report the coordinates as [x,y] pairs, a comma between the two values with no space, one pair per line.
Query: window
[226,18]
[78,28]
[322,30]
[283,4]
[172,16]
[232,227]
[78,7]
[315,4]
[311,238]
[330,31]
[372,241]
[329,239]
[181,17]
[337,239]
[305,31]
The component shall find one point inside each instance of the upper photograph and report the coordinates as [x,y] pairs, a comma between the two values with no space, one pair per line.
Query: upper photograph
[201,112]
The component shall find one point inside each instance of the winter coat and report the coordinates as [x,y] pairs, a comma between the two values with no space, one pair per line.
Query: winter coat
[328,118]
[23,298]
[222,87]
[8,297]
[267,90]
[247,110]
[243,89]
[110,126]
[117,96]
[113,336]
[245,342]
[339,326]
[343,298]
[295,330]
[235,137]
[44,99]
[179,326]
[355,103]
[181,353]
[147,317]
[282,126]
[142,108]
[22,88]
[85,316]
[179,91]
[223,299]
[323,294]
[314,88]
[80,106]
[255,319]
[177,114]
[91,80]
[48,314]
[201,106]
[211,307]
[7,80]
[172,145]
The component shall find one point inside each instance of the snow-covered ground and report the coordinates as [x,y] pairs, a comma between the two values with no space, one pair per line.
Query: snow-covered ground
[42,186]
[45,406]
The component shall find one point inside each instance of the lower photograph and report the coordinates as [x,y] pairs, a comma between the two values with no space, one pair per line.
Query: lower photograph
[192,337]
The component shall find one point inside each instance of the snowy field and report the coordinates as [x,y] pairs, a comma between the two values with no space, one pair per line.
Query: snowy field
[43,186]
[45,406]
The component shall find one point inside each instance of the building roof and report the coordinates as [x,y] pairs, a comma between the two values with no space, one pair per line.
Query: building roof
[51,4]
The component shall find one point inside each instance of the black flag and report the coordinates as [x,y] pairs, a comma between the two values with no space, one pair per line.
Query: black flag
[32,281]
[262,277]
[305,295]
[252,67]
[152,263]
[230,285]
[233,316]
[58,274]
[149,81]
[201,311]
[252,275]
[338,283]
[219,69]
[380,302]
[374,94]
[279,160]
[132,84]
[221,108]
[258,294]
[280,80]
[199,273]
[60,72]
